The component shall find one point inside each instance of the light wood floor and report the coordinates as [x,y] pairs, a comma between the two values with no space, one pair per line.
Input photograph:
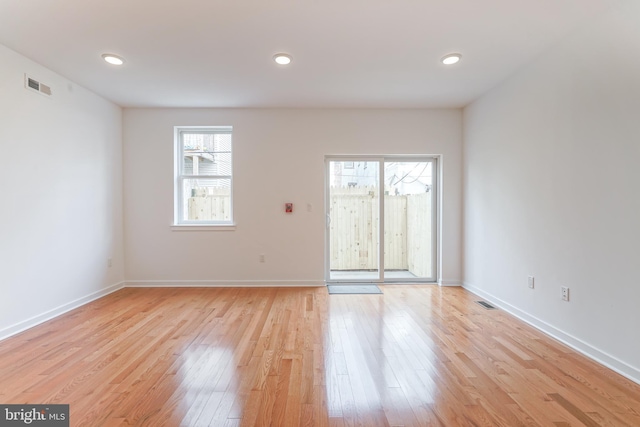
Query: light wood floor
[415,356]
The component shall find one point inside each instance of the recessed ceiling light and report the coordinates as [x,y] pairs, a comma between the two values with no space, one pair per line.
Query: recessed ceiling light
[282,58]
[451,59]
[113,59]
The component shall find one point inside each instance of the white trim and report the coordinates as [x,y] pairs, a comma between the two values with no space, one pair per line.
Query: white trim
[436,214]
[222,283]
[575,343]
[401,282]
[441,220]
[327,220]
[55,312]
[203,227]
[450,283]
[380,224]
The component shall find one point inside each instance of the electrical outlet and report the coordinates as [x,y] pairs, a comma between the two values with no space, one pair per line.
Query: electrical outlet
[109,262]
[530,281]
[565,293]
[262,258]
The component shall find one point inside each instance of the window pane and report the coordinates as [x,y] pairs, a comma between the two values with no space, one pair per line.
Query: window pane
[207,199]
[408,220]
[206,153]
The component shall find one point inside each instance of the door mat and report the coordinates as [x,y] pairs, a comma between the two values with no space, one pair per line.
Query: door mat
[354,289]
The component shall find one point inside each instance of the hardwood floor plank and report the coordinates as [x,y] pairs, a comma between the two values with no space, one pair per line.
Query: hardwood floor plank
[573,410]
[293,409]
[414,356]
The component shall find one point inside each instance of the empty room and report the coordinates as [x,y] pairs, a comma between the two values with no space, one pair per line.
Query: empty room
[357,213]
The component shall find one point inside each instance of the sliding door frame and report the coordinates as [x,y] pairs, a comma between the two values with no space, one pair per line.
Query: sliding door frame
[435,215]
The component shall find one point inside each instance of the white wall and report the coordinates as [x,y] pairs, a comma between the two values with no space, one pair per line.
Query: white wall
[278,158]
[61,195]
[551,190]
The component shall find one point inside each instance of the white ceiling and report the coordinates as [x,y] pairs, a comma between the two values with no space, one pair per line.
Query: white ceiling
[346,53]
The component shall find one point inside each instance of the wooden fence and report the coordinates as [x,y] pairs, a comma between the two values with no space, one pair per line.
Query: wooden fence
[210,204]
[354,231]
[419,229]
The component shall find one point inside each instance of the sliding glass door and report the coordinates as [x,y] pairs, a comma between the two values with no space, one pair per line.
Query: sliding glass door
[352,220]
[409,243]
[370,241]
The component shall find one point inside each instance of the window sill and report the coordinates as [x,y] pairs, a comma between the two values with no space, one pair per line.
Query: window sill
[203,227]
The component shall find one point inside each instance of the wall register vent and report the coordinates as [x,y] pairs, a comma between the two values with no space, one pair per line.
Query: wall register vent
[34,85]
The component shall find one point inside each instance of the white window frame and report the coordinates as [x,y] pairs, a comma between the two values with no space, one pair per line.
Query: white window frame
[180,223]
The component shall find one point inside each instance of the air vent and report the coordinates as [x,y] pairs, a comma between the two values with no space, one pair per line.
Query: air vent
[486,305]
[34,85]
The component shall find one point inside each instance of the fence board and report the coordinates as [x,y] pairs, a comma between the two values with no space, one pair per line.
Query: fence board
[354,229]
[210,205]
[395,232]
[419,235]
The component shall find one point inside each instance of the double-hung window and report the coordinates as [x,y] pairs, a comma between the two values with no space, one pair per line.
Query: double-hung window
[203,176]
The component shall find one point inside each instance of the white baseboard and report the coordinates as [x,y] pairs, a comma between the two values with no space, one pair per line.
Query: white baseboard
[222,283]
[575,343]
[450,283]
[48,315]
